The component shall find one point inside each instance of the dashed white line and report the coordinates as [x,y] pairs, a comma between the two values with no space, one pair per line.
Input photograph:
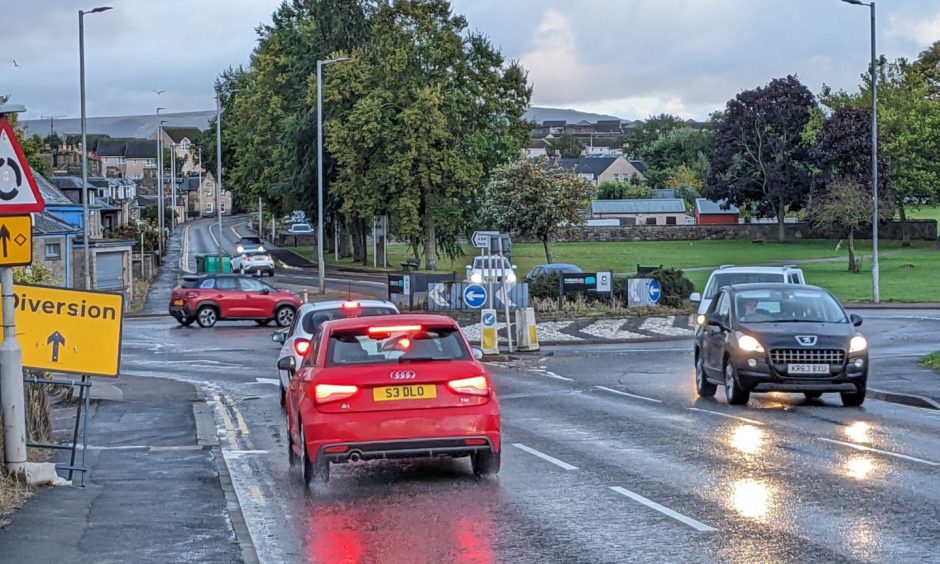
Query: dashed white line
[272,381]
[729,416]
[627,394]
[878,451]
[697,525]
[550,374]
[545,457]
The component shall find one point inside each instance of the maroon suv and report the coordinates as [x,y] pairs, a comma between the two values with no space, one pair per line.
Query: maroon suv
[209,298]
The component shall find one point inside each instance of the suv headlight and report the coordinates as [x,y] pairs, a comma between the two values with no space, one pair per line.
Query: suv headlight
[476,277]
[748,343]
[511,277]
[239,249]
[858,344]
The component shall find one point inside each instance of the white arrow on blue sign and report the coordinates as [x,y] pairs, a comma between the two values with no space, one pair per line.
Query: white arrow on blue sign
[474,296]
[489,319]
[655,291]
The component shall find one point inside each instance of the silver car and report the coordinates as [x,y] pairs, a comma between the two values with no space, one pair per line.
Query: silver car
[295,341]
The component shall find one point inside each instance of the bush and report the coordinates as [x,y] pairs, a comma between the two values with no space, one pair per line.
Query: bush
[674,285]
[544,287]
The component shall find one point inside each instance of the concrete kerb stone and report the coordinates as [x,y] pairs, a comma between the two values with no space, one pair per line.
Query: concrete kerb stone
[904,399]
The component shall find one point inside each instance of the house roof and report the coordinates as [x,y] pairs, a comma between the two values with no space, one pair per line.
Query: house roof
[47,224]
[554,123]
[584,165]
[141,149]
[706,206]
[190,183]
[637,164]
[177,134]
[108,147]
[50,193]
[674,205]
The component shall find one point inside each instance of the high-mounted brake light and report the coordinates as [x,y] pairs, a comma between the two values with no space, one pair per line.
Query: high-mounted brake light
[350,305]
[477,386]
[301,346]
[333,392]
[395,329]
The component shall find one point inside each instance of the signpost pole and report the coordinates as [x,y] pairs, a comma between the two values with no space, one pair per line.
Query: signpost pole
[489,273]
[502,263]
[11,382]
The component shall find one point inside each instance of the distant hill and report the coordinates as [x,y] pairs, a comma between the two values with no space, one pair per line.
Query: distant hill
[120,126]
[144,126]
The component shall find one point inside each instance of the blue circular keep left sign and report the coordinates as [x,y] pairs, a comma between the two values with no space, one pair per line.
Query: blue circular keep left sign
[474,296]
[655,291]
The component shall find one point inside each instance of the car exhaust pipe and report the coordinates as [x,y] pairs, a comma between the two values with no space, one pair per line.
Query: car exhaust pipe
[355,457]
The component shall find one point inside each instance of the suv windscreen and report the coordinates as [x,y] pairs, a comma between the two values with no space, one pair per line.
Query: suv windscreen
[775,306]
[311,321]
[482,263]
[399,344]
[731,278]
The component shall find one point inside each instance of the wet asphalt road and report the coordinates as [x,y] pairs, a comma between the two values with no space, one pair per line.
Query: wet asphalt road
[608,457]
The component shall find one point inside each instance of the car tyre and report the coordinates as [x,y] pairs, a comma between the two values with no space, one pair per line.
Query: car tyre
[263,322]
[734,393]
[291,455]
[853,399]
[284,316]
[185,322]
[207,316]
[319,471]
[703,387]
[485,463]
[813,395]
[283,395]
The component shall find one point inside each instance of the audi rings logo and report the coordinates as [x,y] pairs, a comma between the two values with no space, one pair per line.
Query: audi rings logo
[402,375]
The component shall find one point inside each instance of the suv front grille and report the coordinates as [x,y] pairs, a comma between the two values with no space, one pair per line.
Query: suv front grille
[807,356]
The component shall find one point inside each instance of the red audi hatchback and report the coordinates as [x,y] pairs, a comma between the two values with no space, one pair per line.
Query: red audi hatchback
[395,386]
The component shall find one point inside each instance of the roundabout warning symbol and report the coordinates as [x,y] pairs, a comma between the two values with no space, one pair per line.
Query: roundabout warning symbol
[18,190]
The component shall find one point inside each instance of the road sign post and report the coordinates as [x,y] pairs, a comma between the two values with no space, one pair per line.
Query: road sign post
[506,288]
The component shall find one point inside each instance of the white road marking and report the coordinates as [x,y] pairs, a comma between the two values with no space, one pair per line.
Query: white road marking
[549,374]
[272,381]
[627,394]
[729,416]
[878,451]
[697,525]
[229,452]
[545,457]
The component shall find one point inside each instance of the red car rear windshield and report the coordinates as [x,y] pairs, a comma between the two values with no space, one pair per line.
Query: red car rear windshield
[398,344]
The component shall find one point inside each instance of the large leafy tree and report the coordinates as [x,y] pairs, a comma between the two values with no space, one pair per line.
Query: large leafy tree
[534,199]
[642,135]
[568,145]
[680,147]
[419,119]
[760,157]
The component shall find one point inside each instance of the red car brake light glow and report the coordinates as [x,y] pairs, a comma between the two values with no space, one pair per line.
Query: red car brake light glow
[333,392]
[395,329]
[350,305]
[476,386]
[301,346]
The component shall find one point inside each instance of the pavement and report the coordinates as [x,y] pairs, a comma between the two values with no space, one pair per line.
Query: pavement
[158,295]
[154,490]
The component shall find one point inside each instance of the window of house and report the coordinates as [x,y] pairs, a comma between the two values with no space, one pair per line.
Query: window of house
[671,220]
[150,162]
[208,207]
[222,207]
[53,250]
[629,221]
[208,188]
[651,221]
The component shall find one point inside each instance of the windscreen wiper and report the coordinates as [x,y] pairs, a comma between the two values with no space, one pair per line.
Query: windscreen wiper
[402,359]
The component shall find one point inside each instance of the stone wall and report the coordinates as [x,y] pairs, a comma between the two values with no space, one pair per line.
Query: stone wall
[920,229]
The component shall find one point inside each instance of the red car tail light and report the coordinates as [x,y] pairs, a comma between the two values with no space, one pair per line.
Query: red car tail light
[301,346]
[333,392]
[475,442]
[476,386]
[335,449]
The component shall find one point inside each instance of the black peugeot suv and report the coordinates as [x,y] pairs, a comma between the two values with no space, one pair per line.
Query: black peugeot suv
[780,338]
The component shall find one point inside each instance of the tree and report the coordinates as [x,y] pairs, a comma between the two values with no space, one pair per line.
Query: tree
[534,199]
[678,147]
[643,134]
[842,205]
[418,120]
[928,65]
[688,195]
[615,190]
[569,146]
[684,176]
[760,157]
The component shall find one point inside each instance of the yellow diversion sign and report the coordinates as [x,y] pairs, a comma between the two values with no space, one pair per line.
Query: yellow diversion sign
[69,331]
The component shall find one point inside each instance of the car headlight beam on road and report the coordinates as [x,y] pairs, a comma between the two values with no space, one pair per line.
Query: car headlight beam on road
[748,343]
[858,344]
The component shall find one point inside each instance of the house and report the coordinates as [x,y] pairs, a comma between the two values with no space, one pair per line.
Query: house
[708,212]
[126,158]
[52,246]
[181,140]
[598,169]
[69,189]
[536,148]
[640,212]
[201,198]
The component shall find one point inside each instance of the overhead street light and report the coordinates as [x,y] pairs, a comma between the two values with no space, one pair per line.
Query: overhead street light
[321,264]
[876,292]
[81,66]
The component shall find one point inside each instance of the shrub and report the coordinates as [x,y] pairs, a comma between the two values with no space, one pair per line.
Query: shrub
[544,287]
[674,285]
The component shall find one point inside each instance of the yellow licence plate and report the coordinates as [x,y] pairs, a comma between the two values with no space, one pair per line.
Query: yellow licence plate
[177,302]
[414,392]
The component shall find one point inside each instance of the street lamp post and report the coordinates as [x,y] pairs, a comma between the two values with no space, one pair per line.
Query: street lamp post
[81,66]
[200,171]
[161,203]
[875,283]
[321,265]
[173,186]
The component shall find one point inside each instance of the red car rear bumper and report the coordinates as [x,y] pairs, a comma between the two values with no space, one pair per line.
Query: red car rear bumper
[413,433]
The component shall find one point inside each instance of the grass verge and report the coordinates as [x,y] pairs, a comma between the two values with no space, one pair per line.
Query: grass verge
[932,361]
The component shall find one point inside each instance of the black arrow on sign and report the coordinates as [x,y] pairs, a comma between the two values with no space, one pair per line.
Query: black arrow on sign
[55,339]
[5,237]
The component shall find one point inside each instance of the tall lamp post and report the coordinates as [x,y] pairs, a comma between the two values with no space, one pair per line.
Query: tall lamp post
[321,264]
[81,66]
[875,284]
[161,198]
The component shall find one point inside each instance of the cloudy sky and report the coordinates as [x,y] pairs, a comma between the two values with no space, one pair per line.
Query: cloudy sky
[629,58]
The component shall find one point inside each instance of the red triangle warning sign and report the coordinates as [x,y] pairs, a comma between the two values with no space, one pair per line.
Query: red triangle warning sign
[19,193]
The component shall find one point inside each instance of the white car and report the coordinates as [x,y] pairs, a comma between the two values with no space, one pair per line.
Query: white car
[300,229]
[253,262]
[729,275]
[295,341]
[486,268]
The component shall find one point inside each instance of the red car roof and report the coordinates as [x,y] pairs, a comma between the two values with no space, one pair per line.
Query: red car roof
[390,320]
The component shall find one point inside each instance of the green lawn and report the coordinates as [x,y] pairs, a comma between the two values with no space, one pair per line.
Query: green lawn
[915,283]
[932,360]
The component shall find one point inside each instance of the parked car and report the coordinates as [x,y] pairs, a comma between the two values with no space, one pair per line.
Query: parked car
[492,267]
[295,341]
[249,243]
[213,297]
[551,268]
[300,229]
[253,262]
[729,274]
[780,338]
[396,386]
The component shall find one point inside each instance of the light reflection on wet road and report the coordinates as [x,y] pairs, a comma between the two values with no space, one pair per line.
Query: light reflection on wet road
[777,480]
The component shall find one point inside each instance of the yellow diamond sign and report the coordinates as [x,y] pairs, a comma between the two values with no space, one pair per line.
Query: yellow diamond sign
[16,240]
[69,331]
